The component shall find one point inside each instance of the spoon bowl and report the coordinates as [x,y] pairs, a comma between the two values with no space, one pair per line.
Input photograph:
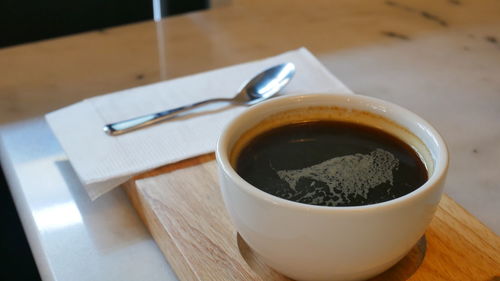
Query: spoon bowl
[266,84]
[263,86]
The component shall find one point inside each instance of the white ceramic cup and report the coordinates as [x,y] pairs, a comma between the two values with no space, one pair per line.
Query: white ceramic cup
[307,242]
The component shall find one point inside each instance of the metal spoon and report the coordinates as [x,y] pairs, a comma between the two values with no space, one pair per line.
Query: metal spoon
[261,87]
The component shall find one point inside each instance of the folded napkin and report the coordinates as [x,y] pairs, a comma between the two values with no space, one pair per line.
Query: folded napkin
[103,162]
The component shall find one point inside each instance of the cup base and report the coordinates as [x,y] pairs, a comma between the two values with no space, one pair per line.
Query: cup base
[402,270]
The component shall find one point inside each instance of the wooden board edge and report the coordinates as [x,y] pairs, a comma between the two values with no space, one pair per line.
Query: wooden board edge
[160,235]
[473,226]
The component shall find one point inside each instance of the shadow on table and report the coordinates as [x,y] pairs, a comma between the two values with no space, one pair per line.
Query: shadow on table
[111,224]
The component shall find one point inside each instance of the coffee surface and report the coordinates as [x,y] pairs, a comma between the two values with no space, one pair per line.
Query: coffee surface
[331,163]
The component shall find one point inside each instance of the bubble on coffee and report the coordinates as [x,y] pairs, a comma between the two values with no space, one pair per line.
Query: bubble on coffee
[346,177]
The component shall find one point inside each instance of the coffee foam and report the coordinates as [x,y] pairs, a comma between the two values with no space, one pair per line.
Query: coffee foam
[333,113]
[346,176]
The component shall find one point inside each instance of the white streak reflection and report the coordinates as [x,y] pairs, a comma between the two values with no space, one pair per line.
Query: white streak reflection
[57,216]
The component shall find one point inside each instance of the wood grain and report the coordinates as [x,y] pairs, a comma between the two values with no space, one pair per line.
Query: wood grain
[183,209]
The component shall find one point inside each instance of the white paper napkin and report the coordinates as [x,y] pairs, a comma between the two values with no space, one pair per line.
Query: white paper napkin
[103,162]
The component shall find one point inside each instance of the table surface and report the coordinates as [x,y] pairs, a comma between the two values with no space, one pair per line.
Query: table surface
[440,59]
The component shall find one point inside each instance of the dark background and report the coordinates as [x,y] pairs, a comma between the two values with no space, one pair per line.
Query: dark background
[30,21]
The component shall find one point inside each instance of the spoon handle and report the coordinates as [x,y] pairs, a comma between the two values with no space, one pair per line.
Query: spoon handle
[125,126]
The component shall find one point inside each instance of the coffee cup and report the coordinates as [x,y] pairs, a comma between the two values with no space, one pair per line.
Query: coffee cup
[319,243]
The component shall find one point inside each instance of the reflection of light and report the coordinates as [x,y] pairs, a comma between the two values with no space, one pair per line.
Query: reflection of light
[302,140]
[57,216]
[279,81]
[274,86]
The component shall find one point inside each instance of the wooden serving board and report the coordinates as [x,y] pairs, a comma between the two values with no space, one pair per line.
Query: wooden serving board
[183,209]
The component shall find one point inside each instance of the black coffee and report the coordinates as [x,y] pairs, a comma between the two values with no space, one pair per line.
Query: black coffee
[331,163]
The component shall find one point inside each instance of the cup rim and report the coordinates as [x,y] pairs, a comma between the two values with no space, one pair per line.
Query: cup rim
[441,159]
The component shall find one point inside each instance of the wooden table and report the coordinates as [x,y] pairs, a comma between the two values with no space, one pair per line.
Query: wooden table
[440,59]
